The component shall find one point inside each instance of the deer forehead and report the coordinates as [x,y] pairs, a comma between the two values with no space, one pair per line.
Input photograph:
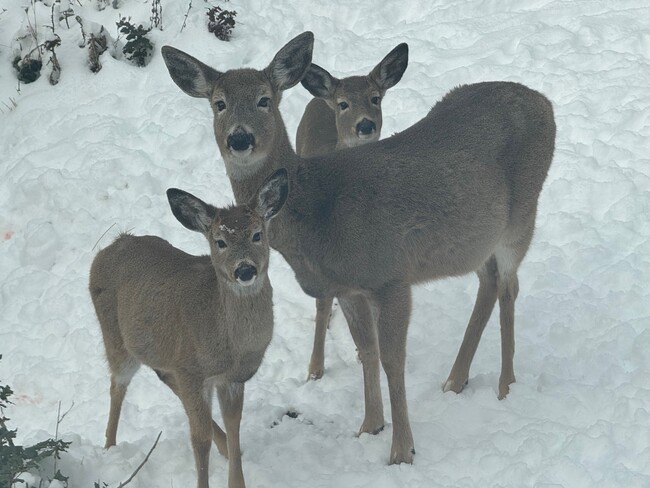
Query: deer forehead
[236,222]
[357,88]
[242,85]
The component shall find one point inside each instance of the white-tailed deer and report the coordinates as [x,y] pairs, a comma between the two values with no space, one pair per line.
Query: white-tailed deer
[345,113]
[457,192]
[197,321]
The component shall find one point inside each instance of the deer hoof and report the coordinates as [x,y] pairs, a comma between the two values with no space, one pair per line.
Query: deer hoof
[315,375]
[407,458]
[455,386]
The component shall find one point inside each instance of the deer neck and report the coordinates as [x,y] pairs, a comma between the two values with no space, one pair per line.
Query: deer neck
[246,177]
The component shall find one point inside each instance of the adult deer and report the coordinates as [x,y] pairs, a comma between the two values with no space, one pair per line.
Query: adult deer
[197,321]
[456,192]
[345,113]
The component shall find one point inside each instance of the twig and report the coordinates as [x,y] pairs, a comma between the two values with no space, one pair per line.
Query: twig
[189,7]
[122,485]
[11,107]
[52,18]
[59,419]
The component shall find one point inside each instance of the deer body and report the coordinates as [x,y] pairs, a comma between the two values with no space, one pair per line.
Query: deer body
[447,209]
[344,113]
[456,192]
[197,321]
[225,343]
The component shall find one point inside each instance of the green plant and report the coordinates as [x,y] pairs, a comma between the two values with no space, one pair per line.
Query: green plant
[18,460]
[221,22]
[138,47]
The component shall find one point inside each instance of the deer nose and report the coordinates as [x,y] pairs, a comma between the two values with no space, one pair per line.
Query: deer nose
[240,140]
[366,127]
[245,273]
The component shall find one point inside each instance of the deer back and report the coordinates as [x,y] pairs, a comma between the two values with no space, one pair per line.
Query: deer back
[430,201]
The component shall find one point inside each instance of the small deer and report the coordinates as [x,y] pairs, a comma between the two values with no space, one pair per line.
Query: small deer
[455,193]
[345,113]
[197,321]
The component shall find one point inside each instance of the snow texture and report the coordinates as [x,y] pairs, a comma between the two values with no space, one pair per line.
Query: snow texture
[91,157]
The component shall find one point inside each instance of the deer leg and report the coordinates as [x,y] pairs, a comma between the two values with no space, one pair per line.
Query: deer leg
[485,300]
[218,435]
[120,379]
[231,401]
[394,302]
[317,361]
[508,258]
[191,391]
[362,326]
[508,291]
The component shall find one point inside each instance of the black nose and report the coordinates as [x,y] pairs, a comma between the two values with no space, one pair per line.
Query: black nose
[245,272]
[366,127]
[240,140]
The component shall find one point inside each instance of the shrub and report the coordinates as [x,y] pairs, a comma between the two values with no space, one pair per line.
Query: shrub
[138,47]
[28,68]
[17,460]
[221,22]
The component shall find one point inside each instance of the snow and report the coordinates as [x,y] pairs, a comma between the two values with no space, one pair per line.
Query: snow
[93,156]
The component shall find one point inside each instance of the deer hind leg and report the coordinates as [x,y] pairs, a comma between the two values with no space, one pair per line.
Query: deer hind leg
[485,301]
[123,367]
[508,260]
[121,363]
[394,301]
[231,401]
[317,361]
[362,326]
[218,435]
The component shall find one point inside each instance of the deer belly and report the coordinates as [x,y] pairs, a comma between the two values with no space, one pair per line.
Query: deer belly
[239,370]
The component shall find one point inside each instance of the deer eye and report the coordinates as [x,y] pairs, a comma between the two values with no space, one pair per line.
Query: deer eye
[221,243]
[221,105]
[375,100]
[264,102]
[257,237]
[344,105]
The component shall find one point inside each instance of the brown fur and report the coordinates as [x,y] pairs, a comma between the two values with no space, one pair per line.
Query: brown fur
[326,126]
[198,321]
[457,192]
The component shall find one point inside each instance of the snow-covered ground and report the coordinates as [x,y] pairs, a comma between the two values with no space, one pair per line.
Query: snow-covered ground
[93,156]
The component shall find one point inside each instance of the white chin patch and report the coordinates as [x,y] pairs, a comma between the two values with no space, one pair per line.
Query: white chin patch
[243,164]
[242,155]
[365,137]
[361,139]
[247,283]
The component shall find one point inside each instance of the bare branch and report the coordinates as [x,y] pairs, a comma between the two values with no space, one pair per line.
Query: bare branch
[122,485]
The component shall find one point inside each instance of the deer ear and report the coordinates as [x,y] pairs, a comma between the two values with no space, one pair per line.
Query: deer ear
[290,63]
[390,70]
[191,211]
[272,194]
[319,82]
[191,75]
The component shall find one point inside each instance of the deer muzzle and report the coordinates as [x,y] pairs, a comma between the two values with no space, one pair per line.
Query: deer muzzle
[245,274]
[240,140]
[366,128]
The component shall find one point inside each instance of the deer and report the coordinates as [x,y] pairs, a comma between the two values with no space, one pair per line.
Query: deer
[200,322]
[344,113]
[454,193]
